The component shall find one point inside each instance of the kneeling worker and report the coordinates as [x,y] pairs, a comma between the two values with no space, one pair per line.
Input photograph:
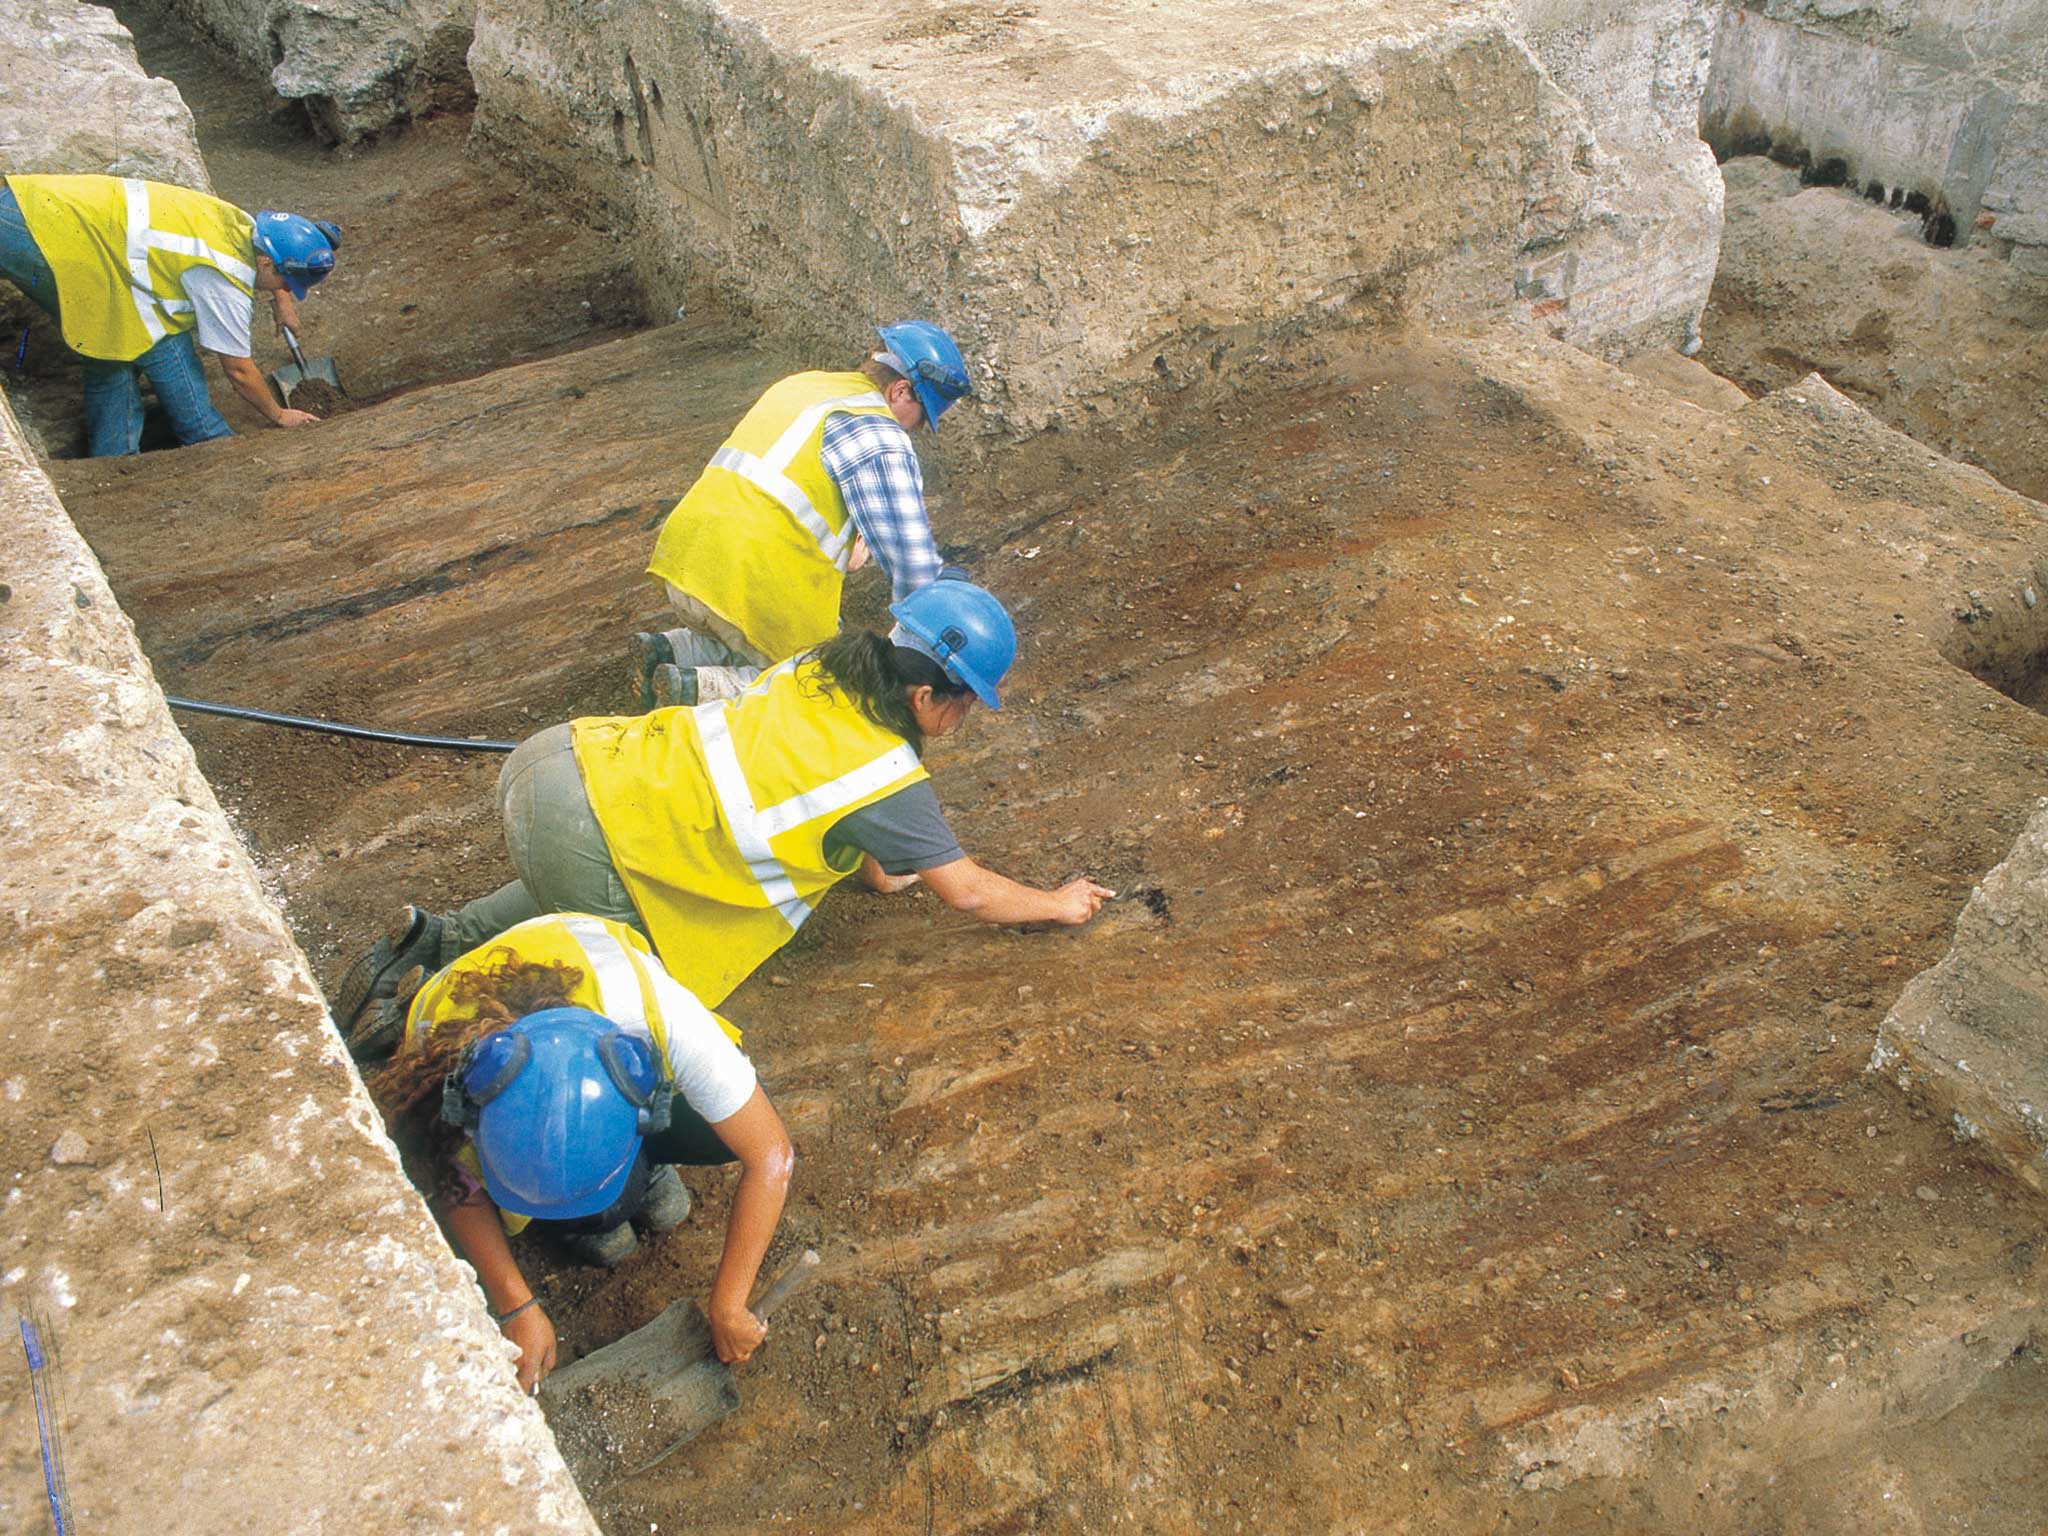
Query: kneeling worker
[717,830]
[817,476]
[130,270]
[556,1075]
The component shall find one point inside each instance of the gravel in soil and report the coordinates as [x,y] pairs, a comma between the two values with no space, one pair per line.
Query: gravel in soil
[1532,788]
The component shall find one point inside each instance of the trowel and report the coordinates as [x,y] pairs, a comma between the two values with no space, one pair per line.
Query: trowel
[628,1407]
[299,371]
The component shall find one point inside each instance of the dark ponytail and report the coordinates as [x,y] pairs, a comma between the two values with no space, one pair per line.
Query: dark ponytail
[877,678]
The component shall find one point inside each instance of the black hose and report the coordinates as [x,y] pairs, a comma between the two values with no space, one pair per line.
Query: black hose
[330,728]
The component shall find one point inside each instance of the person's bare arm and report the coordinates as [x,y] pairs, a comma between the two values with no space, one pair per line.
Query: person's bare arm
[250,384]
[876,878]
[473,1224]
[755,1134]
[968,887]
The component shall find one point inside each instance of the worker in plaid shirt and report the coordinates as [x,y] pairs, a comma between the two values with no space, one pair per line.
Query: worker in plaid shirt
[817,478]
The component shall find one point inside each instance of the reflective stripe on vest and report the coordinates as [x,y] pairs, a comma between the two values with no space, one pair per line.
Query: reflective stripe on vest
[621,994]
[753,826]
[142,239]
[766,475]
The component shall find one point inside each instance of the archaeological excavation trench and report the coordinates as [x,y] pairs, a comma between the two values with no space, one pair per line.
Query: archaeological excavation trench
[1533,784]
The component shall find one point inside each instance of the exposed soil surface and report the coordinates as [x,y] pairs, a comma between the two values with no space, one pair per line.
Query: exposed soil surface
[1949,346]
[1528,788]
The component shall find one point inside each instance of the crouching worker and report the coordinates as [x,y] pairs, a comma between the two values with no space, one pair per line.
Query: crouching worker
[819,475]
[717,830]
[557,1075]
[132,270]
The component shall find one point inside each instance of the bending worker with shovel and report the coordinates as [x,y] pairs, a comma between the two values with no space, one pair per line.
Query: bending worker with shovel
[132,270]
[716,830]
[556,1075]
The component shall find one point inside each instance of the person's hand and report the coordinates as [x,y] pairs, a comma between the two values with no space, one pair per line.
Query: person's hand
[888,884]
[1080,900]
[284,311]
[736,1334]
[860,554]
[535,1336]
[291,418]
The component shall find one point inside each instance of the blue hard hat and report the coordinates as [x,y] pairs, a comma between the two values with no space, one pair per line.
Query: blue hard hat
[301,249]
[964,629]
[556,1106]
[931,362]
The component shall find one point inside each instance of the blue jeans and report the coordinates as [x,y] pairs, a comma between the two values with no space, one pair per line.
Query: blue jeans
[113,398]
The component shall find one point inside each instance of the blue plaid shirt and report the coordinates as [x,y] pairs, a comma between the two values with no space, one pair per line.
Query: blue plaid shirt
[871,461]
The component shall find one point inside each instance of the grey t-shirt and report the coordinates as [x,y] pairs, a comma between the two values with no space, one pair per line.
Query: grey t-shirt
[905,832]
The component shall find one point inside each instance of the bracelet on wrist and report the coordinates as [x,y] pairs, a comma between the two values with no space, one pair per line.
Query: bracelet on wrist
[506,1317]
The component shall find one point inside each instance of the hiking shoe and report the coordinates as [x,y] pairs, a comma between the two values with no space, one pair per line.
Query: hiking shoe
[413,938]
[674,687]
[373,1041]
[667,1204]
[604,1250]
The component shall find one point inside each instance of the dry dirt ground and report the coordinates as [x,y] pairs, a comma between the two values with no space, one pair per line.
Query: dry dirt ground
[1529,790]
[1949,346]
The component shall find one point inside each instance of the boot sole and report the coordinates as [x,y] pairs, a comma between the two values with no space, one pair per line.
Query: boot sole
[359,984]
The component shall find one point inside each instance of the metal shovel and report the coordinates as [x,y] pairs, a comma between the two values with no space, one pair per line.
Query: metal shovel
[299,371]
[628,1407]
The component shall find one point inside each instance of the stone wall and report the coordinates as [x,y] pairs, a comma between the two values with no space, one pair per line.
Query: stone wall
[1099,197]
[1940,105]
[250,1318]
[73,98]
[1970,1036]
[355,66]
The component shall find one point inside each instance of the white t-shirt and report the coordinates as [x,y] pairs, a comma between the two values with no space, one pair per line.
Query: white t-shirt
[223,312]
[712,1075]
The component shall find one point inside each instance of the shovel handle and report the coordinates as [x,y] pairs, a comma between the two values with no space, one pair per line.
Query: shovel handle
[794,1277]
[293,342]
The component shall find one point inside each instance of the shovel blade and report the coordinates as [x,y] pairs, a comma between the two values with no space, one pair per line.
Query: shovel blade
[636,1400]
[318,370]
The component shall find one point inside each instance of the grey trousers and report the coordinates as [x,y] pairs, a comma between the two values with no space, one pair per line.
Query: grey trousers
[556,845]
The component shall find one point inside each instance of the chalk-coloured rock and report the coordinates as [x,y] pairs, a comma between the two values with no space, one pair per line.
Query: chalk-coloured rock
[74,99]
[1099,197]
[257,1311]
[356,66]
[1970,1036]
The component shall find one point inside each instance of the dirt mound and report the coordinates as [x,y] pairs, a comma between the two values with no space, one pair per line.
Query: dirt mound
[321,398]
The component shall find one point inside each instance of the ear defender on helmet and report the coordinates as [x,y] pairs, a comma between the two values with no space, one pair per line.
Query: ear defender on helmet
[485,1069]
[629,1061]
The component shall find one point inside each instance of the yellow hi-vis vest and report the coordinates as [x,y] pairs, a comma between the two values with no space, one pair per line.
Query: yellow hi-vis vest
[119,249]
[614,961]
[763,537]
[716,816]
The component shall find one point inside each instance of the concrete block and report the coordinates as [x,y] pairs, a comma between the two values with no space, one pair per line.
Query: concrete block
[73,99]
[249,1317]
[1092,197]
[356,66]
[1938,101]
[1969,1037]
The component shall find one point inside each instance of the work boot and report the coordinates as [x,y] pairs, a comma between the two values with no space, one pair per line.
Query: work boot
[724,682]
[674,686]
[651,649]
[413,938]
[604,1250]
[667,1204]
[373,1041]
